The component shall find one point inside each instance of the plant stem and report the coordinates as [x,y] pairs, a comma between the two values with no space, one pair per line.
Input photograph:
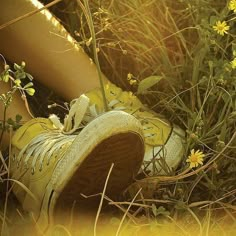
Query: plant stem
[3,124]
[92,31]
[7,186]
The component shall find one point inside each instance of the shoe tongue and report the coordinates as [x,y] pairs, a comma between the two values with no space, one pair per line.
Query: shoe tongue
[113,92]
[30,130]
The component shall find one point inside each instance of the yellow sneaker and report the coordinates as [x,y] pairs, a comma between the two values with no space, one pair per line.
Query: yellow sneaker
[164,141]
[56,163]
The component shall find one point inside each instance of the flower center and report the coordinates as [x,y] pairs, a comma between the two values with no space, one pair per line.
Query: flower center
[194,158]
[221,27]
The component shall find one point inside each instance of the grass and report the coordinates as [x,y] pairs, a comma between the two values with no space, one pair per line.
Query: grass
[174,40]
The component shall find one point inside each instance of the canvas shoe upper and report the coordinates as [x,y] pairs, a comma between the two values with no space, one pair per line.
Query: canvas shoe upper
[52,164]
[164,141]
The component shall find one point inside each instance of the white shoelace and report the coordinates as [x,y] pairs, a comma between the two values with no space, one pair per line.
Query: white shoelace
[42,146]
[50,143]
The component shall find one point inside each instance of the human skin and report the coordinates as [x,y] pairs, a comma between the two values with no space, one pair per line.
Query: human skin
[50,53]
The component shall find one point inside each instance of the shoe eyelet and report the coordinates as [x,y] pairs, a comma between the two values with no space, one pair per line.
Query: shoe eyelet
[112,93]
[32,171]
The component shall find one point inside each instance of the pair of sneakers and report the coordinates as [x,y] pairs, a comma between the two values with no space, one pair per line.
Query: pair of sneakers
[56,162]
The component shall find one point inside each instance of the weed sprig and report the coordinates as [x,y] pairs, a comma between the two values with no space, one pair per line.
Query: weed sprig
[16,79]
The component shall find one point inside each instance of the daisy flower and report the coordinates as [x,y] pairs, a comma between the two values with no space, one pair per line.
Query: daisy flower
[129,76]
[195,158]
[233,63]
[132,81]
[232,5]
[221,27]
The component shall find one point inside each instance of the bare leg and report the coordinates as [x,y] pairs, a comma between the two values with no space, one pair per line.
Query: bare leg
[51,55]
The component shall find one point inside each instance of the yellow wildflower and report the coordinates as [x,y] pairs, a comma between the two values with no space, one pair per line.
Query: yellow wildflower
[232,5]
[129,76]
[195,158]
[124,52]
[132,81]
[221,27]
[233,63]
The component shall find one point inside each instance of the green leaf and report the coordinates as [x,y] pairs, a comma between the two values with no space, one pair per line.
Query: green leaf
[147,83]
[154,209]
[30,91]
[20,74]
[28,85]
[18,118]
[159,211]
[17,67]
[5,76]
[10,121]
[29,76]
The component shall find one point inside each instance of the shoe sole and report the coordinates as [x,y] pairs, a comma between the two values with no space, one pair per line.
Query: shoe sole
[114,137]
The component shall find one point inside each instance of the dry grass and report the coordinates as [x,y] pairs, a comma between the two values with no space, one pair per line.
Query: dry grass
[174,39]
